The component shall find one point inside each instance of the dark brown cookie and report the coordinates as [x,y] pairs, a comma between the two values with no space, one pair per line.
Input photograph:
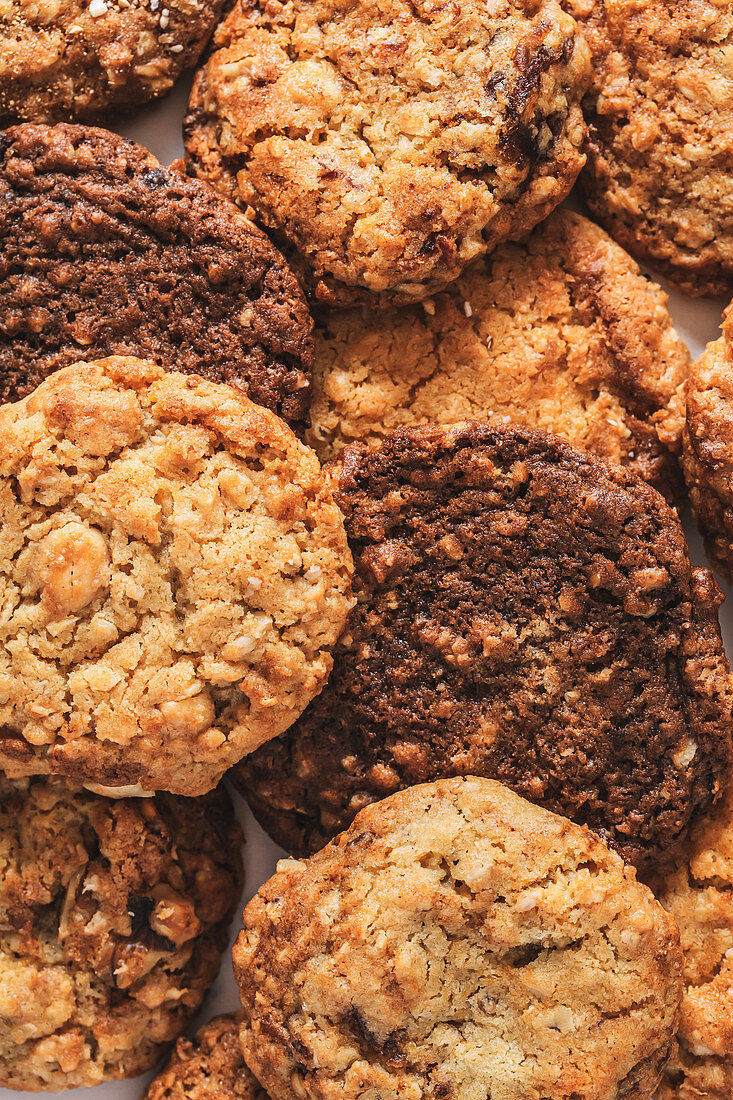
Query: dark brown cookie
[113,917]
[210,1066]
[102,250]
[82,59]
[524,613]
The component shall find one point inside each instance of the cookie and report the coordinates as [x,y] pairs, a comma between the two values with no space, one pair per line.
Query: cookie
[560,332]
[390,142]
[457,941]
[113,917]
[70,59]
[524,613]
[209,1067]
[102,250]
[660,160]
[708,446]
[174,574]
[698,892]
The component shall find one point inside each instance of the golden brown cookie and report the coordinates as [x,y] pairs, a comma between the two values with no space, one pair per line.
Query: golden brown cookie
[708,446]
[660,158]
[526,613]
[560,332]
[698,892]
[390,142]
[174,575]
[85,59]
[210,1066]
[113,917]
[457,941]
[103,251]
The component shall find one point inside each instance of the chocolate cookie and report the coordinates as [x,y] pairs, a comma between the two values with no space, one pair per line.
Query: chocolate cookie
[660,158]
[103,250]
[458,942]
[173,571]
[113,917]
[708,446]
[698,892]
[390,142]
[210,1066]
[64,59]
[560,332]
[524,613]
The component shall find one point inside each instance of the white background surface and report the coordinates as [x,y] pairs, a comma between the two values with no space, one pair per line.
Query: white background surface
[159,129]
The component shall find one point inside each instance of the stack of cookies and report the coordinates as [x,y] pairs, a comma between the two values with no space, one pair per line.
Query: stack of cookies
[341,467]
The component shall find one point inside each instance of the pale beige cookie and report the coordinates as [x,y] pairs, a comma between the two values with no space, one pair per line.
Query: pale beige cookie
[114,914]
[210,1066]
[698,892]
[174,574]
[560,332]
[708,446]
[390,142]
[458,942]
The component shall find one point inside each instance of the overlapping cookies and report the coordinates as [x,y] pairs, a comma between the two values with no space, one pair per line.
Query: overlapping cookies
[339,462]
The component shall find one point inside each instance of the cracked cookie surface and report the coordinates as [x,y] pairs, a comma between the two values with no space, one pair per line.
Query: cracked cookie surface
[113,917]
[698,892]
[561,332]
[210,1066]
[457,941]
[391,143]
[70,59]
[526,613]
[708,446]
[660,162]
[103,251]
[175,572]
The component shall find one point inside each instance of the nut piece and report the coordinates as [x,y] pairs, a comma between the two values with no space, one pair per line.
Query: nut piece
[74,568]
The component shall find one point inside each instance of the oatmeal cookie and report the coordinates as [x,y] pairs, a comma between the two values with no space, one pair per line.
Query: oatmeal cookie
[560,332]
[390,142]
[209,1067]
[173,575]
[698,892]
[76,59]
[104,251]
[708,446]
[524,613]
[113,917]
[660,159]
[457,941]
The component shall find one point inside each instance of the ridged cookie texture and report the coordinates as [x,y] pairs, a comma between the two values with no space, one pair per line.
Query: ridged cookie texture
[458,942]
[102,251]
[390,143]
[210,1066]
[174,575]
[708,446]
[660,160]
[69,59]
[113,917]
[524,613]
[698,892]
[560,332]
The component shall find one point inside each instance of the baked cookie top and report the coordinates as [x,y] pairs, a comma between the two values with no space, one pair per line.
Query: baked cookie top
[708,446]
[660,160]
[524,613]
[174,575]
[113,917]
[72,59]
[698,892]
[390,143]
[102,250]
[457,941]
[210,1066]
[560,332]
